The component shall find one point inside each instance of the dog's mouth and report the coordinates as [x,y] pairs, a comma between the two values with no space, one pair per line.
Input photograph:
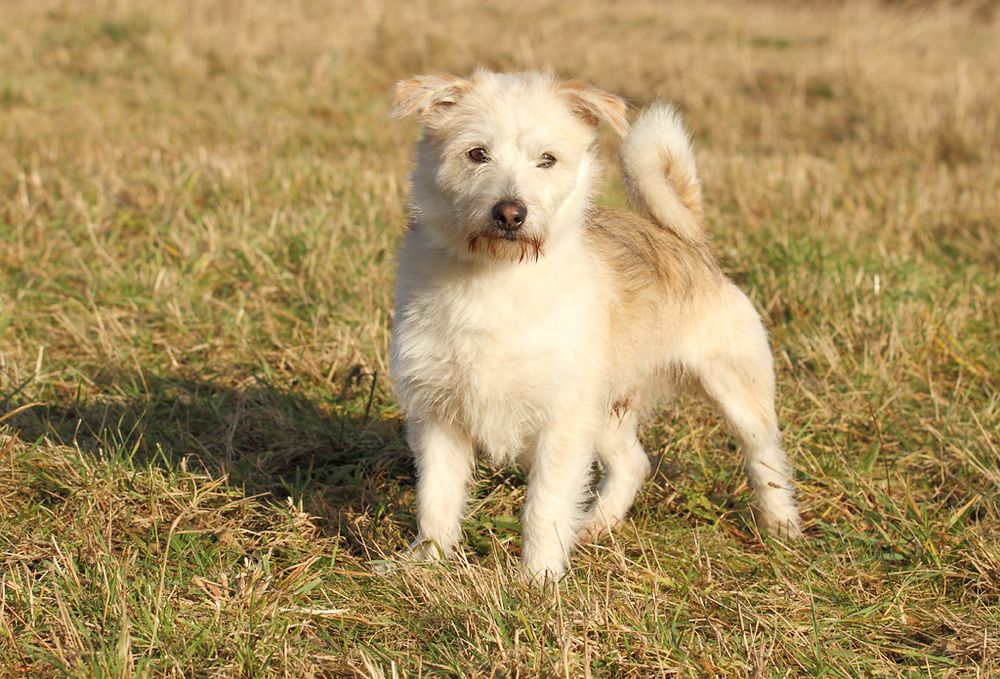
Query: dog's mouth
[510,246]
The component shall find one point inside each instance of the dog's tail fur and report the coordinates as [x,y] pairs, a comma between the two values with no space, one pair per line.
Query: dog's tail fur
[660,174]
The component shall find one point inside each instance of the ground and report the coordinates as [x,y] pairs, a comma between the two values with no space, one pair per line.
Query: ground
[200,454]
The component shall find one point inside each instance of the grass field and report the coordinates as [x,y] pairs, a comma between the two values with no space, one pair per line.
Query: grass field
[200,454]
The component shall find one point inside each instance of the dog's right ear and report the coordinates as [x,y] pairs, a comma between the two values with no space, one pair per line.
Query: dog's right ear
[427,95]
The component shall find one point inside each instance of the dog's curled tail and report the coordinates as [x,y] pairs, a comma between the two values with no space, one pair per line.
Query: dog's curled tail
[659,171]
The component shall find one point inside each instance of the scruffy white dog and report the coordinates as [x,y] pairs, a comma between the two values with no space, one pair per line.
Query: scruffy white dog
[535,328]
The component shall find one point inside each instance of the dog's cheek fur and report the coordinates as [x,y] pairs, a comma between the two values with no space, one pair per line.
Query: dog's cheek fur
[550,189]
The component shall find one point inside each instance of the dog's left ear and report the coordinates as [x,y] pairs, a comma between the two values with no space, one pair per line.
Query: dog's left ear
[594,105]
[427,95]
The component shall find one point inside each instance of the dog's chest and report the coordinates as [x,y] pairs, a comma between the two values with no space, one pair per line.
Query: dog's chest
[495,360]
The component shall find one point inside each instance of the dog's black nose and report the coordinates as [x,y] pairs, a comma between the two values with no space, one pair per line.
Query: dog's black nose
[509,214]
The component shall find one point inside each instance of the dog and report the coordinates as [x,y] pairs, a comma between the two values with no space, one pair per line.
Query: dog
[537,329]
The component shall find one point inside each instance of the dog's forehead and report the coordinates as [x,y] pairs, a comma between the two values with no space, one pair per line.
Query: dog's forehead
[526,112]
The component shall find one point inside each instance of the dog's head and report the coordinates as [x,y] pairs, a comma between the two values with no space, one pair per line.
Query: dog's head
[505,161]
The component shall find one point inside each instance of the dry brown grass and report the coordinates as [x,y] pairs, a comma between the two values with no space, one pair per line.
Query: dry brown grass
[199,452]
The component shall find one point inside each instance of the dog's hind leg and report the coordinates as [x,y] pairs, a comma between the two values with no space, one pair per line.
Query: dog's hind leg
[740,380]
[626,467]
[445,461]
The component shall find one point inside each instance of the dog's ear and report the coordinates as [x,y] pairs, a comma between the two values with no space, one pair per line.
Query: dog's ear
[594,105]
[427,95]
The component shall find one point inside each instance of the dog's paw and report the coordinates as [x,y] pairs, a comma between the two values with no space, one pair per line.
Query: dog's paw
[542,572]
[598,525]
[595,529]
[541,578]
[784,524]
[419,551]
[424,549]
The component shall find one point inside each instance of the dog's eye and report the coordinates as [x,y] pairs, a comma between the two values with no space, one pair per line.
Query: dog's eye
[479,155]
[547,161]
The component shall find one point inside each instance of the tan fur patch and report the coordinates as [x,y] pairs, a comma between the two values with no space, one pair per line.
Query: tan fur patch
[646,257]
[594,105]
[524,248]
[426,94]
[688,190]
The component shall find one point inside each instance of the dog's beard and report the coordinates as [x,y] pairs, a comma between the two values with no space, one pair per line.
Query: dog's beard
[508,247]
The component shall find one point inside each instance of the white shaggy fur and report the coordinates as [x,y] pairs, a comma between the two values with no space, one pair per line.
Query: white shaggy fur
[544,345]
[658,142]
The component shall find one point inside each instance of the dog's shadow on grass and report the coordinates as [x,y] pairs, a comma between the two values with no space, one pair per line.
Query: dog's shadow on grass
[341,455]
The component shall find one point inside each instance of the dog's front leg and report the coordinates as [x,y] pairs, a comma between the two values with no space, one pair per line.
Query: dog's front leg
[557,484]
[445,460]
